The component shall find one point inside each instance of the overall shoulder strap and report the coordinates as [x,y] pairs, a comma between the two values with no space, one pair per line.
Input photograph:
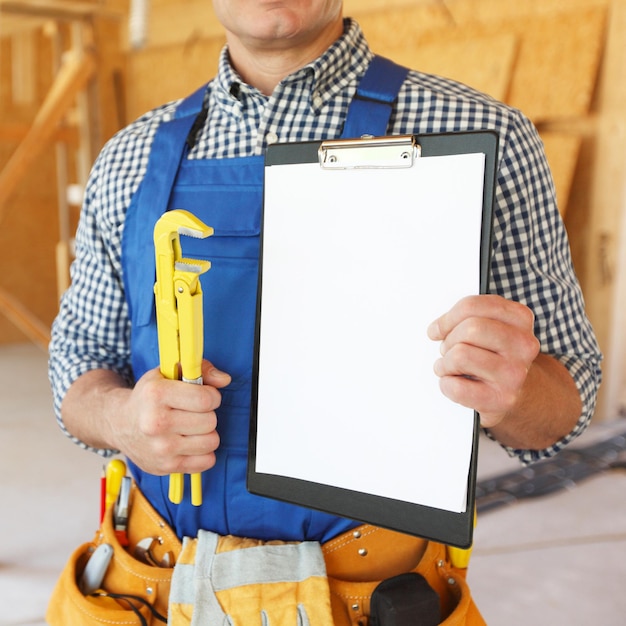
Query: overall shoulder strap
[372,104]
[151,200]
[168,150]
[192,104]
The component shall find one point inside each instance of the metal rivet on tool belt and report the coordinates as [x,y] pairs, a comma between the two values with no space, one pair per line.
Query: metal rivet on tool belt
[149,590]
[451,581]
[362,552]
[440,563]
[355,607]
[356,534]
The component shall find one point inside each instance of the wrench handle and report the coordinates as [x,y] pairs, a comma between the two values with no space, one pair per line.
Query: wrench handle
[176,488]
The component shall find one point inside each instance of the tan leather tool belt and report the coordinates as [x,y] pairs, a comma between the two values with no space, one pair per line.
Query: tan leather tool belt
[136,587]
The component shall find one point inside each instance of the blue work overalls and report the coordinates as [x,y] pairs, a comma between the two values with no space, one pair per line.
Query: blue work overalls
[226,194]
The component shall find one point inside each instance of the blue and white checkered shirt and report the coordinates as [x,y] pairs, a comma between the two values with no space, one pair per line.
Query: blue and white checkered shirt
[531,260]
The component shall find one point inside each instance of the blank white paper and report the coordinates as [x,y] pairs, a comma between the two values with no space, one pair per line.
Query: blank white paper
[356,265]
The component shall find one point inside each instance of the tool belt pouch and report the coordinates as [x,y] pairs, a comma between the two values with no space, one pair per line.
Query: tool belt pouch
[132,590]
[367,574]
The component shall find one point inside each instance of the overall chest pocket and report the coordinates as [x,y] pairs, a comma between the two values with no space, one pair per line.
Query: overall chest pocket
[230,286]
[226,195]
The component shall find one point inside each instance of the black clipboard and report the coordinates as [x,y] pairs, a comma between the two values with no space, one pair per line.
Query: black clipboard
[452,527]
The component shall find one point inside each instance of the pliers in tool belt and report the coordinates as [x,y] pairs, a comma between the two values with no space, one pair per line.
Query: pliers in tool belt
[178,297]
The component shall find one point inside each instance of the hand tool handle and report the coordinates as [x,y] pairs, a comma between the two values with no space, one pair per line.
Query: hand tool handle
[176,488]
[196,489]
[114,473]
[189,299]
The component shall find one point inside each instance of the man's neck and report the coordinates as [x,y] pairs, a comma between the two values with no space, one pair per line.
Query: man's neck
[264,65]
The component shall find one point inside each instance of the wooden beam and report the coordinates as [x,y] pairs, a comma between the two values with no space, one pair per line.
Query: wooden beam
[23,68]
[77,69]
[54,9]
[11,25]
[14,133]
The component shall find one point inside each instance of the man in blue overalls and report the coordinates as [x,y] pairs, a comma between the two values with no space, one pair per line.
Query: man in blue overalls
[525,357]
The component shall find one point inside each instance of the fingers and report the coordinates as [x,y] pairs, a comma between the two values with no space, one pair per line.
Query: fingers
[489,323]
[176,420]
[191,454]
[491,336]
[490,307]
[175,423]
[492,387]
[487,348]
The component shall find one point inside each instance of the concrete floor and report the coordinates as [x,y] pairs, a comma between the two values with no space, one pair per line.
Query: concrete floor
[556,560]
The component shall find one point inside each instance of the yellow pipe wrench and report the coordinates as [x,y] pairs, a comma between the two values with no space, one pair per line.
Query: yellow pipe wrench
[178,297]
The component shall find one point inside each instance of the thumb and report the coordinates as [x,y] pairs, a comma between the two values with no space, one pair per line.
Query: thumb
[213,376]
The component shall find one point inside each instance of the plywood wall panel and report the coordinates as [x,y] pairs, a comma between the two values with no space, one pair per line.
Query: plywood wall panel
[605,276]
[181,71]
[467,12]
[401,27]
[361,7]
[110,92]
[556,70]
[181,22]
[484,62]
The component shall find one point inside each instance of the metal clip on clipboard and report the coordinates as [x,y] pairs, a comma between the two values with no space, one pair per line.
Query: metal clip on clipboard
[369,152]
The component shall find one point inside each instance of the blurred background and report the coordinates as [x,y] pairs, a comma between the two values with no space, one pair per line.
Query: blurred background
[73,72]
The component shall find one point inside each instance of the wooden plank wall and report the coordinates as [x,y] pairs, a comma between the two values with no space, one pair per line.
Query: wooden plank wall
[563,62]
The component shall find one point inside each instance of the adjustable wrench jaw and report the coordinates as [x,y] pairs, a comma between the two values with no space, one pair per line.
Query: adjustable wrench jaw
[176,282]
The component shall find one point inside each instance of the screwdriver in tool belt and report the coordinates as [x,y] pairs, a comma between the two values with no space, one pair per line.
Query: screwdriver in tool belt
[113,473]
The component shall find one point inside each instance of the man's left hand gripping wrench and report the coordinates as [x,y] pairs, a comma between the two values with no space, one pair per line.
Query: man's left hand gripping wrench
[178,297]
